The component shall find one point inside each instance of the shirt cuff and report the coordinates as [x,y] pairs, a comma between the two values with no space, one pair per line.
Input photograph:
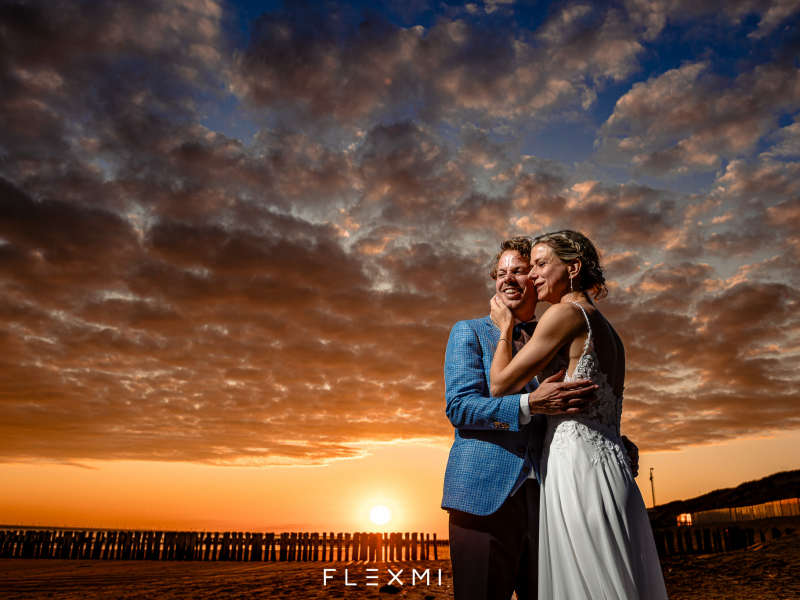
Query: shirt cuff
[524,410]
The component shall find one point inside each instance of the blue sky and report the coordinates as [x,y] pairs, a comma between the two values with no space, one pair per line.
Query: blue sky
[217,217]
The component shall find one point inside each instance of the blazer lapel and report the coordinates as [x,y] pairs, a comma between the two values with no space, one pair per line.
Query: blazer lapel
[493,332]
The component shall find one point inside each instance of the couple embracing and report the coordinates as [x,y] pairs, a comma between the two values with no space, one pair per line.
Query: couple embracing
[539,483]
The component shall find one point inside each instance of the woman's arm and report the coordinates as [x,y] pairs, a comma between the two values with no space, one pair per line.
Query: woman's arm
[504,321]
[561,324]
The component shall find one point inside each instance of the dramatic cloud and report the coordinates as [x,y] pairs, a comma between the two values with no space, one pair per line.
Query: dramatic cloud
[688,119]
[656,14]
[312,64]
[254,254]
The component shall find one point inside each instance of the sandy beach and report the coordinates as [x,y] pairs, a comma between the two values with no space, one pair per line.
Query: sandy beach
[769,571]
[171,580]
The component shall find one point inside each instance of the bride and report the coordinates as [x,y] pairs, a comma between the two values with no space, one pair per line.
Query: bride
[595,537]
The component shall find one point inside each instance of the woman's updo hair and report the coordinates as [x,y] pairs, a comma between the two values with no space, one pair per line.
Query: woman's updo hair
[568,245]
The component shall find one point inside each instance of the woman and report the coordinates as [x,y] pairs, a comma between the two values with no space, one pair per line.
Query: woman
[595,537]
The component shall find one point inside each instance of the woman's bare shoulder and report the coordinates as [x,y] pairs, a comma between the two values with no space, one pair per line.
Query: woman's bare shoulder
[563,314]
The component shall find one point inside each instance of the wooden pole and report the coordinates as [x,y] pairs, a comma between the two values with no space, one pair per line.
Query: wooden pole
[172,545]
[38,549]
[119,545]
[209,544]
[671,542]
[109,543]
[148,539]
[45,550]
[27,545]
[6,540]
[97,548]
[66,545]
[257,553]
[144,541]
[137,546]
[77,538]
[224,549]
[284,554]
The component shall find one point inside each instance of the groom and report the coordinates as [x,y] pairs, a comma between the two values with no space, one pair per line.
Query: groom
[491,488]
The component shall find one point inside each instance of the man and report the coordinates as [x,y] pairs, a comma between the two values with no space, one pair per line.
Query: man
[491,487]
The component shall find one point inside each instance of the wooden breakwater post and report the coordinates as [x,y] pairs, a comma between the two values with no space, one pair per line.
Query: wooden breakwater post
[695,540]
[359,546]
[212,544]
[284,554]
[227,546]
[257,553]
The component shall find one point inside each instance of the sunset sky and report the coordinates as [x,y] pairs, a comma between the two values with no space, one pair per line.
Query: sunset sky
[234,237]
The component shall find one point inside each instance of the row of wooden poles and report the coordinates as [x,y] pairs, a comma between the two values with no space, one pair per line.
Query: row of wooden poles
[193,545]
[693,540]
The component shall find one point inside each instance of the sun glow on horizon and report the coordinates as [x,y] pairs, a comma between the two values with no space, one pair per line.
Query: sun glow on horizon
[380,515]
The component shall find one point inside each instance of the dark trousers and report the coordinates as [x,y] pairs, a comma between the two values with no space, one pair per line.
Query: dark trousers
[495,555]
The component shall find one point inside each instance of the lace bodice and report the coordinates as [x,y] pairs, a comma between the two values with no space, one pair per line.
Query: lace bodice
[600,424]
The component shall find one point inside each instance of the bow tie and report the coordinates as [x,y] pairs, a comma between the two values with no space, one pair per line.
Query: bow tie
[526,327]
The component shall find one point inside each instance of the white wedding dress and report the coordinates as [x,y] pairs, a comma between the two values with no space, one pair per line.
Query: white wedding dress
[595,540]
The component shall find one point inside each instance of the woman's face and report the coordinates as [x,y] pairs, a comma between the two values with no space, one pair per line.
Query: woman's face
[549,274]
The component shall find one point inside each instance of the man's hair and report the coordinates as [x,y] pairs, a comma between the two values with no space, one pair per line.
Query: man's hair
[521,244]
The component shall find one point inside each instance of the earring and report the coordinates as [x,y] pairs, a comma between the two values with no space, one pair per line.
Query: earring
[571,289]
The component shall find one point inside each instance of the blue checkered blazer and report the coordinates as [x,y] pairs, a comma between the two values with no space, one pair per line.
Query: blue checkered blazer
[492,454]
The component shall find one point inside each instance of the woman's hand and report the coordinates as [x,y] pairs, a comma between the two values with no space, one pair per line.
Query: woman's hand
[500,314]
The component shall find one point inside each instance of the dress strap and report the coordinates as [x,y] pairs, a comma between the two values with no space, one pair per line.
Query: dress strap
[589,325]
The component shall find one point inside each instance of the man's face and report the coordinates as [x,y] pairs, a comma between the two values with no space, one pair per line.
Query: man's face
[513,285]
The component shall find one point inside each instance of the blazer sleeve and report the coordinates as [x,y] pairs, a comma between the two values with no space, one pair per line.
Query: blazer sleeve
[469,403]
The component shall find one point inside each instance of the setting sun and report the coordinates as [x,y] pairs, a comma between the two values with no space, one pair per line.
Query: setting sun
[380,515]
